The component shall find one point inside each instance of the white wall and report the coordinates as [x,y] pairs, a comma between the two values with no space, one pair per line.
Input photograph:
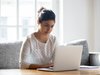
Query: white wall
[56,10]
[97,25]
[78,21]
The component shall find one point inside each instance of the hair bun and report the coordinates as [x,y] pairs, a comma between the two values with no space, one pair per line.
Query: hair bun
[41,9]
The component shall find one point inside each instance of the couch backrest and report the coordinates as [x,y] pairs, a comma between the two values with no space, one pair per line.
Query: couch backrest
[9,55]
[85,52]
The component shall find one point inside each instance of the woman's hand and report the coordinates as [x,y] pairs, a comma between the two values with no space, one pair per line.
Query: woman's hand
[48,65]
[34,66]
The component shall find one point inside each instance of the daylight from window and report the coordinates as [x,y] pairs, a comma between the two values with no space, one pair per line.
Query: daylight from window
[18,17]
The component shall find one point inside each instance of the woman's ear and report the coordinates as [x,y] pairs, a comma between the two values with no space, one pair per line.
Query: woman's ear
[38,24]
[38,21]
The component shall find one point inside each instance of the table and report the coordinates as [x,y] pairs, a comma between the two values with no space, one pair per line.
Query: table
[36,72]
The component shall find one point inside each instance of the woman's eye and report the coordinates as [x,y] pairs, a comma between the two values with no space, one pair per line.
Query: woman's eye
[49,26]
[52,26]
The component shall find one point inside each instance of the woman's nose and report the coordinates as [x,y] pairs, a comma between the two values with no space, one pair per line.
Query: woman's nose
[49,28]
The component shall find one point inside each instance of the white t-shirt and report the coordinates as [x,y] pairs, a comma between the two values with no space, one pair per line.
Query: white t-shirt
[36,52]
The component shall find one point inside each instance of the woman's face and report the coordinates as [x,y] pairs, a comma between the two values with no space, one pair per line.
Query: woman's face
[46,26]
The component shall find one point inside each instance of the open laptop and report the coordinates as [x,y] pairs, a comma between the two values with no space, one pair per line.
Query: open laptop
[66,58]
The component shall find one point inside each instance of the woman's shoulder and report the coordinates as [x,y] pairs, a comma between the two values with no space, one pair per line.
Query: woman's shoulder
[29,37]
[53,40]
[53,37]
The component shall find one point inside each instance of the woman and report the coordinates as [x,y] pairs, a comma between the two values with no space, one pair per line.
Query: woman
[38,49]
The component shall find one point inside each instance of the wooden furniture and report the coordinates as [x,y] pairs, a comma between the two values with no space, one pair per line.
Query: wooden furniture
[35,72]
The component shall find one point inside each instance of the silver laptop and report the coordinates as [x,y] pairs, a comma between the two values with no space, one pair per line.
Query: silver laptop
[66,58]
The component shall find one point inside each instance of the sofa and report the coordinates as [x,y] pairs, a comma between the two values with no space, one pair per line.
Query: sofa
[9,54]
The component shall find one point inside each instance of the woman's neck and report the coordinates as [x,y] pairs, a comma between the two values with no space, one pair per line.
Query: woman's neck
[41,37]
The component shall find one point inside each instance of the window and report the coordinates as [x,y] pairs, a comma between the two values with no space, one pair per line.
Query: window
[18,17]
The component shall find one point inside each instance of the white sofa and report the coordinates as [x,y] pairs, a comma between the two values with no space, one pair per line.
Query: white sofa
[9,54]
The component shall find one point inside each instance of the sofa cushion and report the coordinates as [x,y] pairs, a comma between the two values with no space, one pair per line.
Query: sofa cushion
[85,53]
[9,55]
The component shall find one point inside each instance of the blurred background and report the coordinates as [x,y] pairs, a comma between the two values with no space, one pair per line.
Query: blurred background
[75,19]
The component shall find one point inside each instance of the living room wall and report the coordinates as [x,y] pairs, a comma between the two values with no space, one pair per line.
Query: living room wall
[97,25]
[82,21]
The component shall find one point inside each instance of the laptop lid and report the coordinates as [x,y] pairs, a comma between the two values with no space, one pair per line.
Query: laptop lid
[66,58]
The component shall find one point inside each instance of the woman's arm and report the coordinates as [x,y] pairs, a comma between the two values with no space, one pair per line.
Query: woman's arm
[24,58]
[34,66]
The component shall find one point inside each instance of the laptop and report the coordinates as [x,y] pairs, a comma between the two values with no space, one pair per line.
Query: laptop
[66,58]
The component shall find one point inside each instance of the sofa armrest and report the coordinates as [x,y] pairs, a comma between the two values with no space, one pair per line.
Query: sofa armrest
[94,59]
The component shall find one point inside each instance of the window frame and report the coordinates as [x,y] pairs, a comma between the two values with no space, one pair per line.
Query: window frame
[17,26]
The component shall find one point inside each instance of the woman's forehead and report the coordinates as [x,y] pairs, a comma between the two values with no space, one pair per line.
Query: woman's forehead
[48,22]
